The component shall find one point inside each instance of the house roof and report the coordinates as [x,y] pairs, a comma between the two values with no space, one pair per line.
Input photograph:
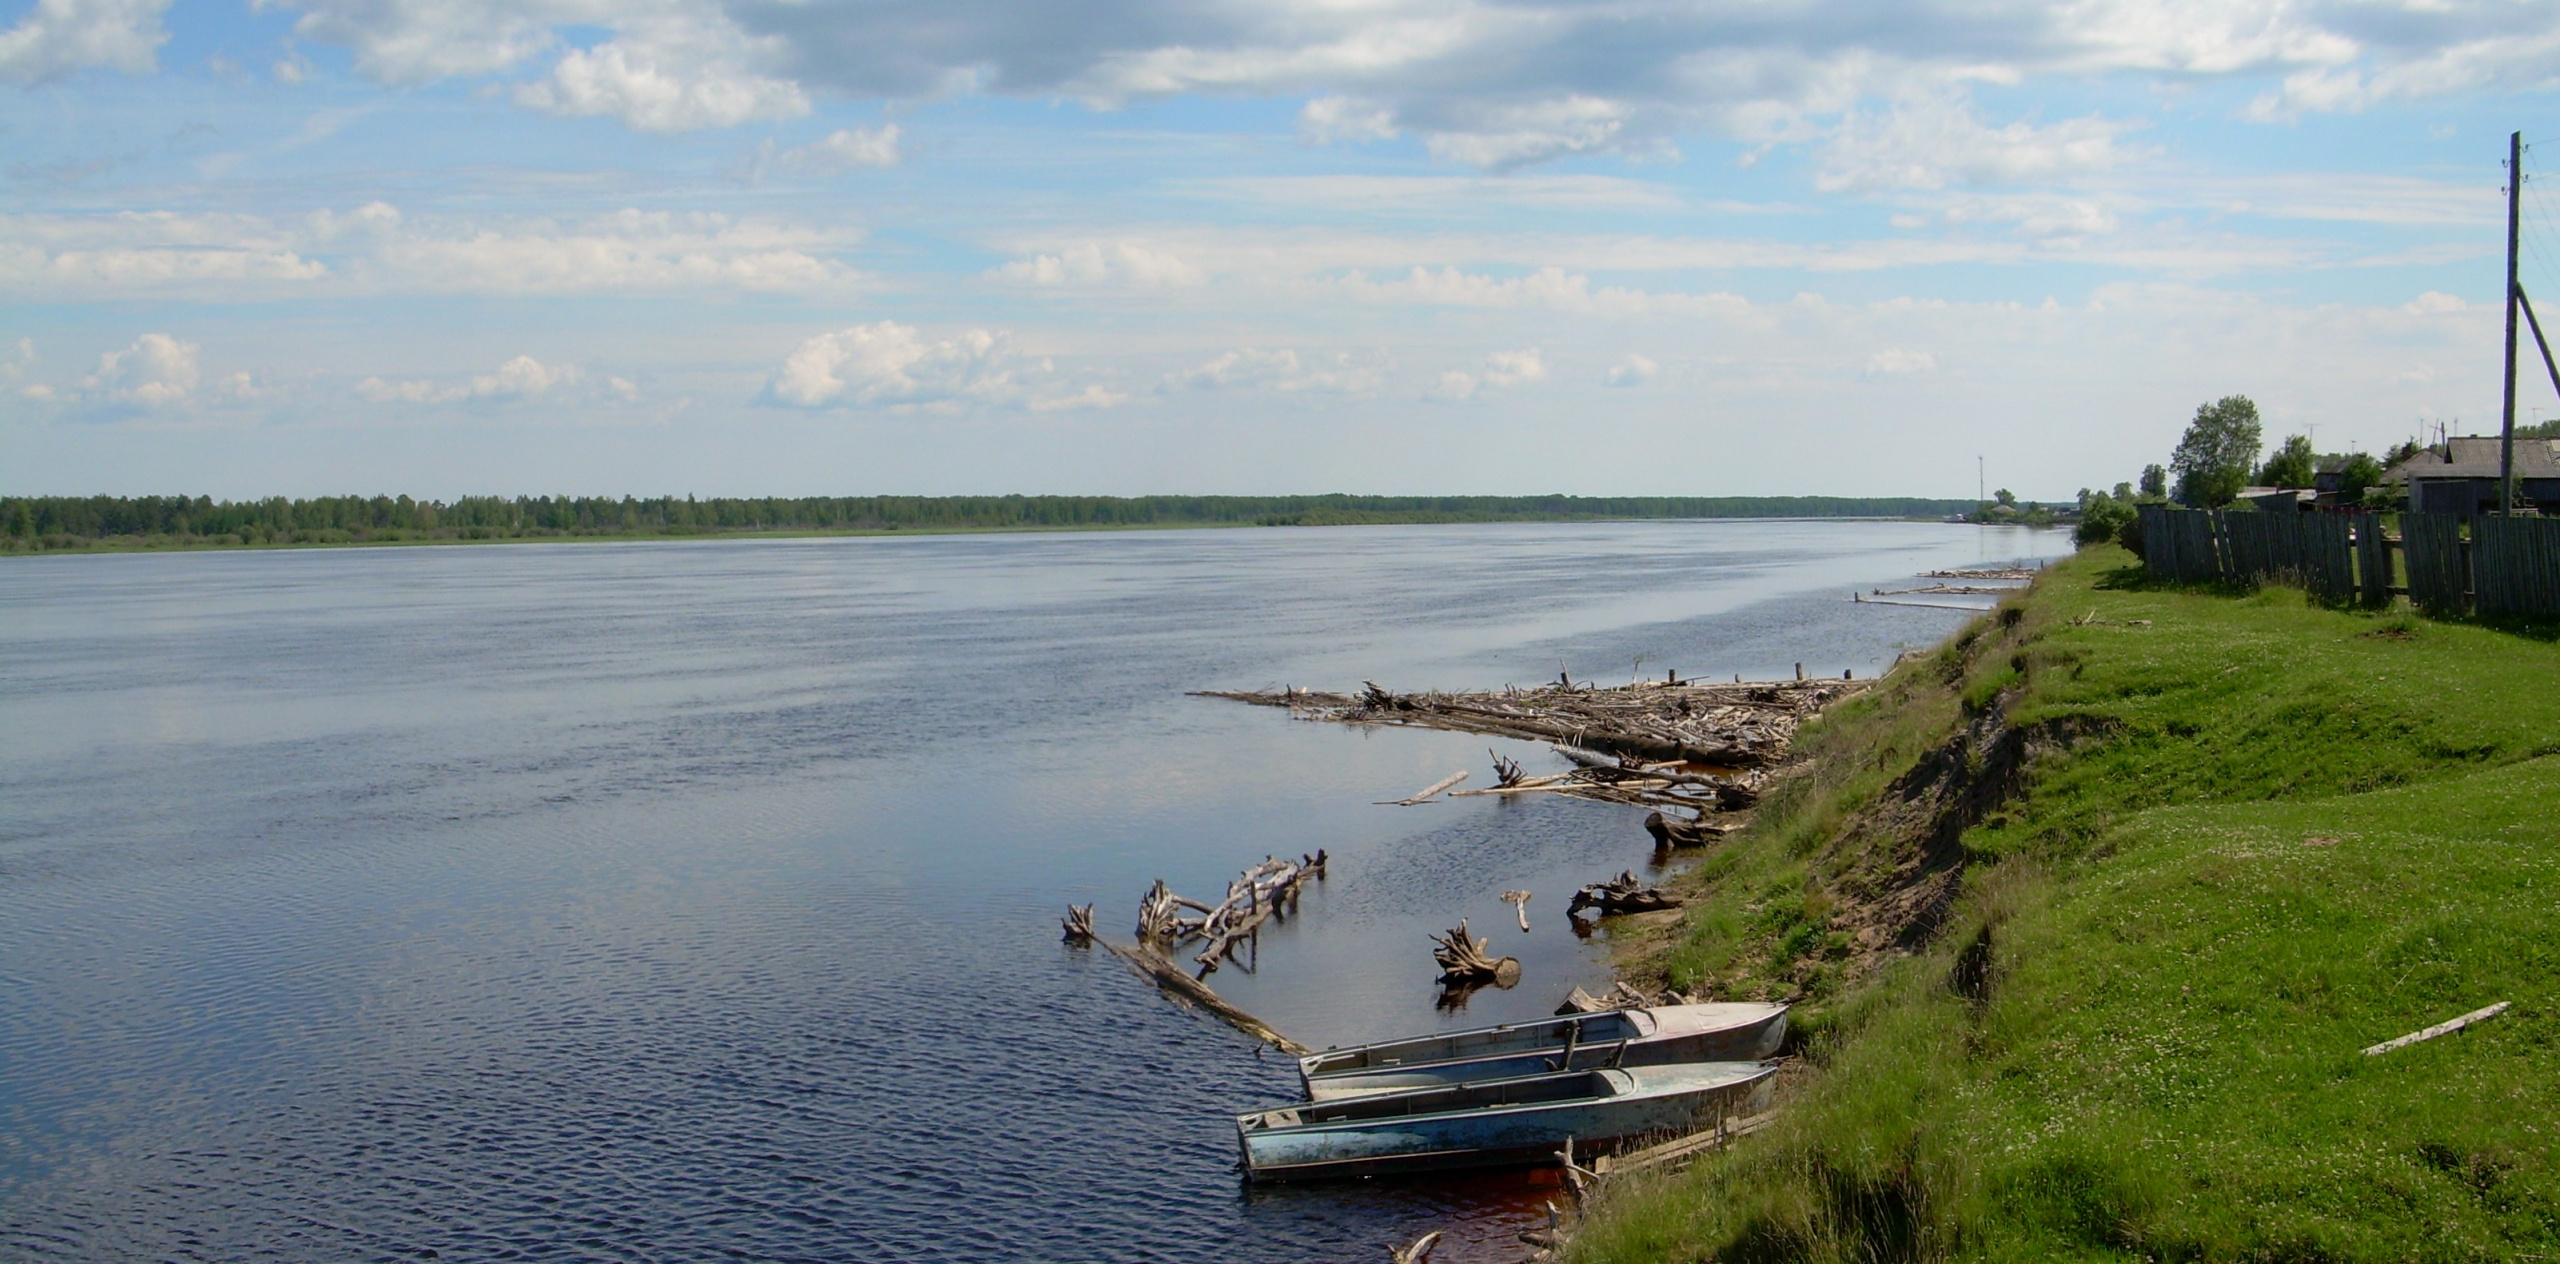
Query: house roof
[2476,456]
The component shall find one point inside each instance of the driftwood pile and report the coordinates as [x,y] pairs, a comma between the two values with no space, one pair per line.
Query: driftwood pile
[1736,726]
[1266,890]
[1622,894]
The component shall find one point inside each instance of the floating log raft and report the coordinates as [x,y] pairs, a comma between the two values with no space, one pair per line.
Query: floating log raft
[1734,726]
[1622,894]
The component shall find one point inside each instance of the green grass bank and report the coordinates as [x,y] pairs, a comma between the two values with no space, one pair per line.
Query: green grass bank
[2090,912]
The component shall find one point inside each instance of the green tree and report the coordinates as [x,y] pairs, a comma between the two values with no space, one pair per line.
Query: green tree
[2155,482]
[2103,517]
[2215,455]
[2008,499]
[2293,465]
[2359,473]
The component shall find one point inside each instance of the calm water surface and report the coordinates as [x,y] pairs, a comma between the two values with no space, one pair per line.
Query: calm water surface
[695,901]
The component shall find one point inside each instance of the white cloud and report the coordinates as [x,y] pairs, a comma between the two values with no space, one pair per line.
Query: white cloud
[1247,366]
[1635,370]
[520,378]
[2440,62]
[1501,137]
[1487,83]
[887,364]
[1327,120]
[1931,140]
[1092,395]
[1513,368]
[1900,362]
[1103,263]
[58,37]
[1282,369]
[157,372]
[417,41]
[681,77]
[1499,370]
[1549,287]
[846,149]
[1455,385]
[375,249]
[2036,214]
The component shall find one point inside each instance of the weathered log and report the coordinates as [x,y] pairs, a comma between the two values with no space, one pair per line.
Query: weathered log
[1671,831]
[1464,960]
[1419,1251]
[1078,924]
[1170,978]
[1425,794]
[1519,902]
[1252,899]
[2446,1027]
[1622,894]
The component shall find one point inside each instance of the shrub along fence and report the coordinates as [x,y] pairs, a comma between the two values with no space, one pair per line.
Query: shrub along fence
[2507,567]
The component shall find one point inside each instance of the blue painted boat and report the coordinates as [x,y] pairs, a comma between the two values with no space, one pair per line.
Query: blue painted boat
[1655,1036]
[1496,1122]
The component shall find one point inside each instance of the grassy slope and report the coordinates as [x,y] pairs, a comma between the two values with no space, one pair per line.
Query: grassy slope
[2161,1058]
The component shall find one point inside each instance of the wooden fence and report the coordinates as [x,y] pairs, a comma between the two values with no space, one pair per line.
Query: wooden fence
[2439,567]
[2515,567]
[2506,568]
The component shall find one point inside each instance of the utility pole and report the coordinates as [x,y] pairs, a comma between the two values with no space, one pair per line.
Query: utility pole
[2507,431]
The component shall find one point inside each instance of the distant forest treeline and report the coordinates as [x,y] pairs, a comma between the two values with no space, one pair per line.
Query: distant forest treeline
[57,522]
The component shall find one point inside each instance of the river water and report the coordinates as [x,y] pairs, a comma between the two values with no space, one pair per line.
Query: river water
[688,901]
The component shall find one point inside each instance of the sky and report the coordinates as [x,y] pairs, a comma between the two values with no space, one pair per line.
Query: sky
[1602,247]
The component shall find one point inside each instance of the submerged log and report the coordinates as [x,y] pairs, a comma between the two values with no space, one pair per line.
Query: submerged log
[1154,966]
[1519,902]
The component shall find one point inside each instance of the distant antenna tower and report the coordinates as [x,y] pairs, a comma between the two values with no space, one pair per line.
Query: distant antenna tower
[1981,485]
